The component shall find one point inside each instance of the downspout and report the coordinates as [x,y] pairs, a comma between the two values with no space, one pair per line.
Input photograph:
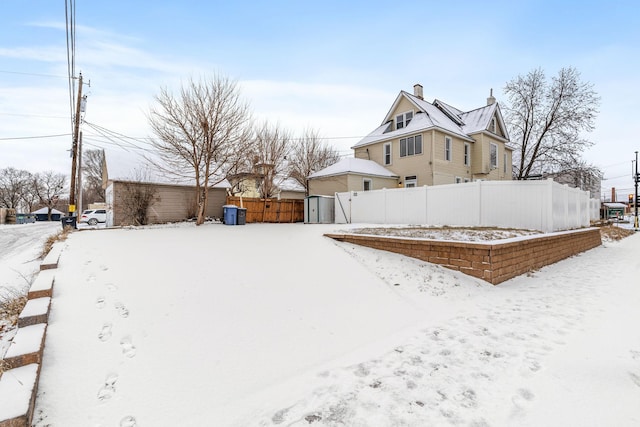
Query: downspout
[433,151]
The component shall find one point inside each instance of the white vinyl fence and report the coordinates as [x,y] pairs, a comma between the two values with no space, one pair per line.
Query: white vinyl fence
[536,205]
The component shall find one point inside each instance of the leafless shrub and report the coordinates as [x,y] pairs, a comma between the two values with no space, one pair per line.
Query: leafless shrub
[136,200]
[58,237]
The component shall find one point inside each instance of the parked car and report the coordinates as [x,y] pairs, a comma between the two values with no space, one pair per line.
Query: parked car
[94,216]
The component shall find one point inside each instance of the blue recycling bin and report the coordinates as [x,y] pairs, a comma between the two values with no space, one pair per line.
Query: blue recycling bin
[230,214]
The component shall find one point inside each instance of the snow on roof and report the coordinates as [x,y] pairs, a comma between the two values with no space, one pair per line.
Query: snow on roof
[134,165]
[478,120]
[434,115]
[45,210]
[290,184]
[355,166]
[429,116]
[615,205]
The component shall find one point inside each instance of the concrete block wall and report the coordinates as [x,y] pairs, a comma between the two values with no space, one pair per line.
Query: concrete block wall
[494,261]
[23,360]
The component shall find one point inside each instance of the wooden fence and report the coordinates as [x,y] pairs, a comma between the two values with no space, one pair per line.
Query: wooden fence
[270,210]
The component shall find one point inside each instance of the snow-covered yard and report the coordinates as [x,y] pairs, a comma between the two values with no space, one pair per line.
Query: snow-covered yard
[274,324]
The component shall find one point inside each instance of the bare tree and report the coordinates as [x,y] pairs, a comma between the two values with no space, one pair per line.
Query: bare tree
[269,152]
[49,186]
[546,120]
[310,154]
[202,133]
[30,198]
[14,184]
[92,163]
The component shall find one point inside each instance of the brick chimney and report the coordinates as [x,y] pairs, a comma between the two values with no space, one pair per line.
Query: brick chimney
[491,99]
[417,90]
[613,194]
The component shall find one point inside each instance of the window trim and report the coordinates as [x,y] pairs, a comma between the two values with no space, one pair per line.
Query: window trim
[408,145]
[410,181]
[492,125]
[492,157]
[448,148]
[504,162]
[467,154]
[384,153]
[404,120]
[365,181]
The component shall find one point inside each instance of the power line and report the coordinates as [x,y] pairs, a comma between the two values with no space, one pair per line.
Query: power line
[15,138]
[32,74]
[33,115]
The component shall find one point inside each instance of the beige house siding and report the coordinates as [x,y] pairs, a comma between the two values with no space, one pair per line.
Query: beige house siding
[328,186]
[481,165]
[172,203]
[446,171]
[404,106]
[298,195]
[418,165]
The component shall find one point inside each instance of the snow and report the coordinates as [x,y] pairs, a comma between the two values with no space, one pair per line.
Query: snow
[353,165]
[45,210]
[274,324]
[36,307]
[26,341]
[15,389]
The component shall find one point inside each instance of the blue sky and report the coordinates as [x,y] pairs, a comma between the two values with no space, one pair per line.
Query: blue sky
[333,66]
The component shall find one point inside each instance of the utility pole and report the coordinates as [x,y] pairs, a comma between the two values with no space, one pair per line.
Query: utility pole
[74,150]
[636,178]
[80,174]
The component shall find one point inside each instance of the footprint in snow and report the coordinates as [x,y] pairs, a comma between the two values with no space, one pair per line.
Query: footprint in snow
[105,332]
[128,421]
[100,302]
[121,309]
[107,391]
[111,287]
[128,349]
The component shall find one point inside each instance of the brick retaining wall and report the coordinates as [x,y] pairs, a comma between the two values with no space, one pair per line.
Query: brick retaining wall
[494,262]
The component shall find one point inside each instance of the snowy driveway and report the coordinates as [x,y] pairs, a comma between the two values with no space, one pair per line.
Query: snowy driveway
[276,325]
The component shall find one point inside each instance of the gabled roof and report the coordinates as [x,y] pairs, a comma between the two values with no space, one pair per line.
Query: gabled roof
[351,165]
[436,115]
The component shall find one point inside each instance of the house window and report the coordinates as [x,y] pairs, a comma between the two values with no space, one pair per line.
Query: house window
[492,125]
[386,153]
[458,180]
[411,146]
[467,180]
[366,184]
[504,163]
[467,154]
[410,181]
[402,120]
[494,156]
[447,148]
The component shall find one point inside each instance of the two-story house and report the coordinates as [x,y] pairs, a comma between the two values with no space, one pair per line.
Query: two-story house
[434,143]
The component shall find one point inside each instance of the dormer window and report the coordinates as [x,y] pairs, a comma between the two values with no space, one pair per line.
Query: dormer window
[492,125]
[403,120]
